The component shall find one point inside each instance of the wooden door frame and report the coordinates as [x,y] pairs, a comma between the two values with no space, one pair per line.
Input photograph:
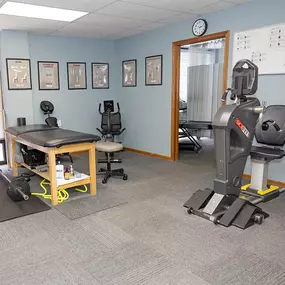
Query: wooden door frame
[176,81]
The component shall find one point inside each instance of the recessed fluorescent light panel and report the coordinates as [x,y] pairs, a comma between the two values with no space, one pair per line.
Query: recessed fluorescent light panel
[40,12]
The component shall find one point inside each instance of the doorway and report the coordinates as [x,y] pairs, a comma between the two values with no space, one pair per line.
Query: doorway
[199,78]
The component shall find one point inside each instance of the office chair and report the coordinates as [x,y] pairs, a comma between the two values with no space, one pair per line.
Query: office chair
[48,108]
[111,124]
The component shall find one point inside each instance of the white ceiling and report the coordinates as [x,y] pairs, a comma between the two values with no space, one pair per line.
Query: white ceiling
[114,19]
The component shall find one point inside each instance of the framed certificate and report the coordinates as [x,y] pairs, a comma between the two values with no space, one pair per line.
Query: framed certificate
[48,73]
[153,70]
[100,75]
[18,74]
[129,73]
[76,75]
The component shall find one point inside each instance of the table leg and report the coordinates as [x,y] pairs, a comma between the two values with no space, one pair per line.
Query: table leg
[92,169]
[14,164]
[8,150]
[52,177]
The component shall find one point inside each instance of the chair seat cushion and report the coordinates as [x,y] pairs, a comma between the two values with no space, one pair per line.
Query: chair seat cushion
[108,146]
[266,152]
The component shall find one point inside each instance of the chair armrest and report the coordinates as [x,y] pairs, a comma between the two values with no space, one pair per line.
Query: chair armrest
[122,130]
[99,131]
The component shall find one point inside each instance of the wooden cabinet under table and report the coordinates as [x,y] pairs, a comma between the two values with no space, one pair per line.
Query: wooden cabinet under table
[51,174]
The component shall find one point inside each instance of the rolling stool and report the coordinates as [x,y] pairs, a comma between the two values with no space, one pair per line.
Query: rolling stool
[109,148]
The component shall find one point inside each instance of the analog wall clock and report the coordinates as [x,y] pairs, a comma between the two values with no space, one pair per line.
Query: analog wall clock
[200,27]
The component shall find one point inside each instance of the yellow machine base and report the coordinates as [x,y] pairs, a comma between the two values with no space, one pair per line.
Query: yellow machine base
[271,189]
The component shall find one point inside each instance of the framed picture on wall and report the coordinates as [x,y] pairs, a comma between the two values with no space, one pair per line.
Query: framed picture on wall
[100,75]
[18,74]
[153,70]
[76,75]
[48,73]
[129,73]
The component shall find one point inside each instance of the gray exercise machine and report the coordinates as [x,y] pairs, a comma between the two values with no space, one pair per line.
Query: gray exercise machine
[234,129]
[270,132]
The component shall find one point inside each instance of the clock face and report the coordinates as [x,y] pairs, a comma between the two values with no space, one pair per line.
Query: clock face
[199,27]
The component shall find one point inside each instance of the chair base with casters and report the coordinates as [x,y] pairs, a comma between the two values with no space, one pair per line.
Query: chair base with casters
[109,148]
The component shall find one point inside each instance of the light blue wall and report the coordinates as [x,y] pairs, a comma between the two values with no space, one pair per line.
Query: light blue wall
[78,109]
[146,110]
[17,103]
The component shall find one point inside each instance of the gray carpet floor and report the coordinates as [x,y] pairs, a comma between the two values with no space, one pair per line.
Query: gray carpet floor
[150,239]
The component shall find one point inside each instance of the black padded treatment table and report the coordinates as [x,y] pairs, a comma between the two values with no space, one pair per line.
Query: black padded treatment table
[189,128]
[53,141]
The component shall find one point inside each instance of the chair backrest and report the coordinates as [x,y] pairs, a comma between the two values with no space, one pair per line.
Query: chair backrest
[51,121]
[115,122]
[273,133]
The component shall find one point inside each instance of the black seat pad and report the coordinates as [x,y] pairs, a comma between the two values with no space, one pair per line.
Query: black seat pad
[58,137]
[18,130]
[266,152]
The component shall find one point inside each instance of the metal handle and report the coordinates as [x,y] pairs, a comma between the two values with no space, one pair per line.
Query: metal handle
[225,95]
[25,197]
[265,125]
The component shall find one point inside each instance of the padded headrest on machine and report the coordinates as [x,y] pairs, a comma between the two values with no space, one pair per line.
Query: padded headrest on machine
[245,78]
[47,107]
[271,129]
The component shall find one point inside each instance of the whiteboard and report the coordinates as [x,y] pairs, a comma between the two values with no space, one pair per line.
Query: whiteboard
[265,47]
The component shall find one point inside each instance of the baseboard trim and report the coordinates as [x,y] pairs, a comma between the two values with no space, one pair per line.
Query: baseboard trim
[149,153]
[273,182]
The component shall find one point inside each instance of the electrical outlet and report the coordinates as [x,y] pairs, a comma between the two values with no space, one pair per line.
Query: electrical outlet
[59,122]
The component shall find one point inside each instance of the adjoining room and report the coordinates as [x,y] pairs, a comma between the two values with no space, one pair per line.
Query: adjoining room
[142,142]
[201,83]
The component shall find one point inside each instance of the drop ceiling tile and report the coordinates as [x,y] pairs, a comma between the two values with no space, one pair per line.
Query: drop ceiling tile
[110,21]
[213,8]
[238,1]
[28,24]
[152,26]
[125,34]
[175,5]
[154,3]
[78,34]
[178,18]
[79,5]
[135,11]
[90,29]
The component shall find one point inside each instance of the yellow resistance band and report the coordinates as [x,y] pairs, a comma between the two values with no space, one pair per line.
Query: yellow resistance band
[62,194]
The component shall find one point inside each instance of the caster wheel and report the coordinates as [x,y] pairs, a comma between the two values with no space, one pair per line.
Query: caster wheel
[215,221]
[189,211]
[259,218]
[121,171]
[104,181]
[125,177]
